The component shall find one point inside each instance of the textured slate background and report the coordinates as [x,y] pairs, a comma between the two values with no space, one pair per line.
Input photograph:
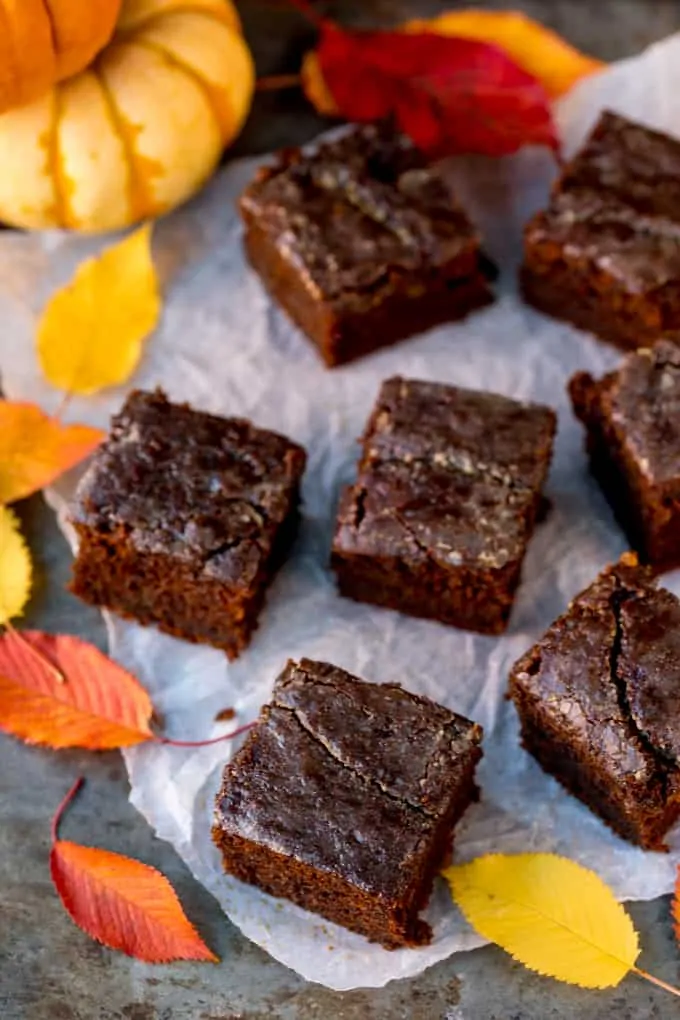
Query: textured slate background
[48,969]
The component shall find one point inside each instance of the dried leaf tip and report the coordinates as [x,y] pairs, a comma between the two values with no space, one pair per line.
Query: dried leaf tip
[120,902]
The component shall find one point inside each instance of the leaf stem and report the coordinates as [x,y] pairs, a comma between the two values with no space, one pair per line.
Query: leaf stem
[656,981]
[206,743]
[63,404]
[273,82]
[54,829]
[42,659]
[305,8]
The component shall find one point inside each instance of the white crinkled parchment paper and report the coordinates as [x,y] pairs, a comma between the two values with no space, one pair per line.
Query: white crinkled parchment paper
[225,348]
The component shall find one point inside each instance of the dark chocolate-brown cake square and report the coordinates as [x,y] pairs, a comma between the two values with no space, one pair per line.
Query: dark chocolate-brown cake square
[605,254]
[183,518]
[361,242]
[599,702]
[632,418]
[448,490]
[344,797]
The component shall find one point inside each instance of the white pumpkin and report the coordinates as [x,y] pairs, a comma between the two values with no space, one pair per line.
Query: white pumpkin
[45,41]
[139,130]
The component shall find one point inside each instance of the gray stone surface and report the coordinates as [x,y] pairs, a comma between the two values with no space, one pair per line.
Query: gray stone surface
[49,970]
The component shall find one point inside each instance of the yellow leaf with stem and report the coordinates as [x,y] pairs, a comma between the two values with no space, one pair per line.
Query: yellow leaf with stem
[551,914]
[91,332]
[15,568]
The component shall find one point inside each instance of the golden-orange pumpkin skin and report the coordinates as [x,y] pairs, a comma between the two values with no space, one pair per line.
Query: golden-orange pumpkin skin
[45,41]
[138,130]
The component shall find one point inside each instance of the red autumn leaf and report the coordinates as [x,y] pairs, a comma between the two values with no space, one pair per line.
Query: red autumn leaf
[59,691]
[122,903]
[450,95]
[35,449]
[675,907]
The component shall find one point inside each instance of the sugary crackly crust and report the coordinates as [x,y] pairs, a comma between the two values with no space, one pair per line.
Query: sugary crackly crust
[183,518]
[448,491]
[323,806]
[605,254]
[632,418]
[599,701]
[361,242]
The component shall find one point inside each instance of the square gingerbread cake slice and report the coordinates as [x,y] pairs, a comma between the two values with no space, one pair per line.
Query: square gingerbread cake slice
[599,702]
[605,254]
[344,798]
[632,420]
[449,488]
[183,518]
[361,242]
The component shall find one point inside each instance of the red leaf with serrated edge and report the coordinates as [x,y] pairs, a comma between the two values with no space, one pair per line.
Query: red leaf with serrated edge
[122,903]
[59,691]
[675,907]
[449,95]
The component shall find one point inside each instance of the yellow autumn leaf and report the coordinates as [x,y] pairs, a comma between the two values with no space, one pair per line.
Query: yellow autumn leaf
[535,48]
[15,568]
[91,332]
[551,914]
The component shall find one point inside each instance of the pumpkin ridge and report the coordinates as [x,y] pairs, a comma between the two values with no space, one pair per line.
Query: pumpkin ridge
[51,24]
[218,103]
[141,201]
[4,28]
[13,61]
[228,18]
[96,139]
[62,208]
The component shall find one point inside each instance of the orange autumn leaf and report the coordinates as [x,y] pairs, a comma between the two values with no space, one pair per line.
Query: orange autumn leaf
[537,49]
[35,449]
[122,903]
[59,691]
[675,907]
[532,46]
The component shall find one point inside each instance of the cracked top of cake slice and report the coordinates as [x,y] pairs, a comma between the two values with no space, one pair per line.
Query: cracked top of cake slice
[348,776]
[191,485]
[358,210]
[607,674]
[449,474]
[617,205]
